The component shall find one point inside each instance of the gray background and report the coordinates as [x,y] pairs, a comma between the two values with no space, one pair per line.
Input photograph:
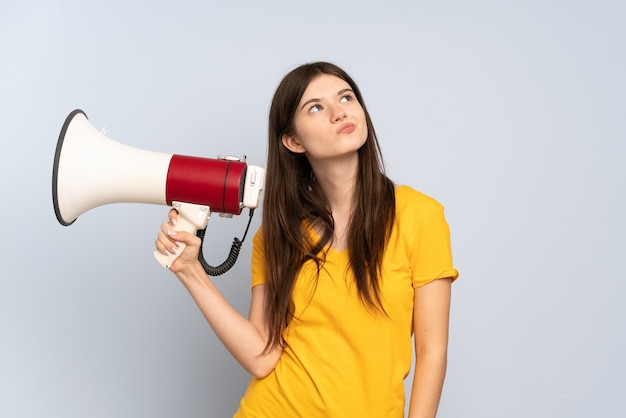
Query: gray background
[510,113]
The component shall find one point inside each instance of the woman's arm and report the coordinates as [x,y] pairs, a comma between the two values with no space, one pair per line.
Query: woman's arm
[431,318]
[244,338]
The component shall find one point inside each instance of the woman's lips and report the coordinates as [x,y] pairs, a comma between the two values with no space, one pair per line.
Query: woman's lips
[346,128]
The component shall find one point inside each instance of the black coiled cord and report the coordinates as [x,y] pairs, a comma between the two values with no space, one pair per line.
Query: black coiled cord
[232,256]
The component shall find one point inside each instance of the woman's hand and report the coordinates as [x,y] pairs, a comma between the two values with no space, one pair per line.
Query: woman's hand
[169,242]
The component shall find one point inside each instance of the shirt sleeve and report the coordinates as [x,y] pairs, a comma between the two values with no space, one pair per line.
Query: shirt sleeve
[432,252]
[257,263]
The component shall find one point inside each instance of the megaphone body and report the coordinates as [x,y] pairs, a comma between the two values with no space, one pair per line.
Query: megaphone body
[92,170]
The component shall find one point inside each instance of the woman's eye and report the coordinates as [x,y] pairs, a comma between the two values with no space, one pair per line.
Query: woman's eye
[315,108]
[346,98]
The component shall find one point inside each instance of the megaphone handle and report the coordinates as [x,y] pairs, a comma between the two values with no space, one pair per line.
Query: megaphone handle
[191,218]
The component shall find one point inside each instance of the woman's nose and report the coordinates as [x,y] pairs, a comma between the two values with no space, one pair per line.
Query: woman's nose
[338,114]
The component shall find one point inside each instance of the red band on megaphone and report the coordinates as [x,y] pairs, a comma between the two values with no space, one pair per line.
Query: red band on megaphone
[218,184]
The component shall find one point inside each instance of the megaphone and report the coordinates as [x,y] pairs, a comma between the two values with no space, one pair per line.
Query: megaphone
[92,170]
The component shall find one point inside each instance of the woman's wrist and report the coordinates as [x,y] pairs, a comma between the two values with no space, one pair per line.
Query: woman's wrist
[192,275]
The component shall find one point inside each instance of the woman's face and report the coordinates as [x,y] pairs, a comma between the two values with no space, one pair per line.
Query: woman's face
[329,121]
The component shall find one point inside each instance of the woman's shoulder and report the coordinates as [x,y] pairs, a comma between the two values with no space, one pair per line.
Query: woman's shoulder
[412,200]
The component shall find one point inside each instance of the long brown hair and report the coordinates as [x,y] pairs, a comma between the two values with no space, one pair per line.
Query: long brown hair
[292,199]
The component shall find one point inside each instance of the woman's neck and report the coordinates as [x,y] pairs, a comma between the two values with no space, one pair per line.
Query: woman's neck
[338,183]
[337,180]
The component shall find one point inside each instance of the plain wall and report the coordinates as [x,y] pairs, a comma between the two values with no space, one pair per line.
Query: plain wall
[511,114]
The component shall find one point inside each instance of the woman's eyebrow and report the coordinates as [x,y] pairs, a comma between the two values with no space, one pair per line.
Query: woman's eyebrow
[316,100]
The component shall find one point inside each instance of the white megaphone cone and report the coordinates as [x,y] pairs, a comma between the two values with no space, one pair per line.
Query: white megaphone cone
[91,170]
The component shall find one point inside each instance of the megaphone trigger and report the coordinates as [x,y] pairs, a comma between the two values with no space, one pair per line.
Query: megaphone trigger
[191,218]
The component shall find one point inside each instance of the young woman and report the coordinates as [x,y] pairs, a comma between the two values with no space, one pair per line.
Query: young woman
[346,268]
